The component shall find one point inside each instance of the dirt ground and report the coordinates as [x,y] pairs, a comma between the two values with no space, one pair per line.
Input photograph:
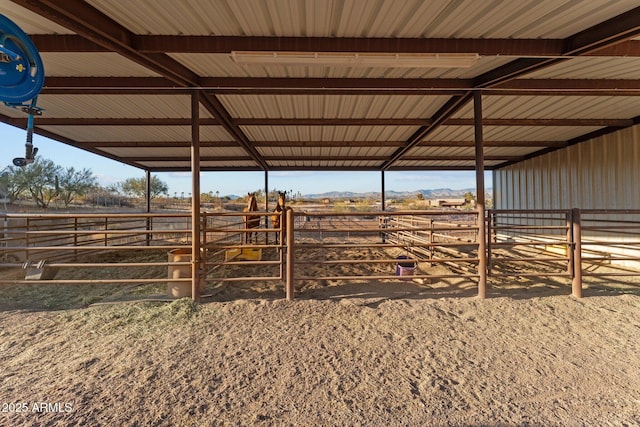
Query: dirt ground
[400,353]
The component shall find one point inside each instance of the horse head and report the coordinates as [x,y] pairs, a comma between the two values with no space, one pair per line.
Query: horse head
[252,203]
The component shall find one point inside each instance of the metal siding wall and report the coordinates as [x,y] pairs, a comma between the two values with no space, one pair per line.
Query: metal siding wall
[597,174]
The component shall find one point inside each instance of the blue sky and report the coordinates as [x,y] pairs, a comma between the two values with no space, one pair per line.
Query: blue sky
[239,183]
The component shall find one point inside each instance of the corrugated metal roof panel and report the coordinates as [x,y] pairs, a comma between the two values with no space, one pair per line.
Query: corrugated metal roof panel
[327,133]
[511,133]
[451,133]
[222,151]
[84,64]
[121,133]
[30,23]
[591,68]
[455,20]
[510,151]
[535,133]
[324,151]
[213,133]
[363,18]
[185,165]
[441,151]
[332,106]
[470,151]
[221,65]
[118,106]
[412,164]
[319,164]
[173,151]
[555,107]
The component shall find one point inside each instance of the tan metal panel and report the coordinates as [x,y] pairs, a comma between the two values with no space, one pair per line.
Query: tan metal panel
[600,173]
[333,133]
[213,133]
[186,165]
[221,65]
[554,107]
[191,17]
[592,68]
[345,151]
[172,151]
[147,152]
[332,106]
[30,23]
[91,64]
[362,18]
[533,133]
[441,151]
[121,133]
[451,133]
[118,106]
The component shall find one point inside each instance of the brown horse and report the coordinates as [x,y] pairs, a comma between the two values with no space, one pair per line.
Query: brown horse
[279,219]
[251,221]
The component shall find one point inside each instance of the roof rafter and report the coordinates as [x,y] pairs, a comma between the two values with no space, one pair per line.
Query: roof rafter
[89,121]
[226,44]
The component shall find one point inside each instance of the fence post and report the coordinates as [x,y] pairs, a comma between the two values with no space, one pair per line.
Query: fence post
[431,251]
[569,218]
[149,225]
[290,253]
[576,285]
[490,239]
[75,237]
[203,249]
[482,254]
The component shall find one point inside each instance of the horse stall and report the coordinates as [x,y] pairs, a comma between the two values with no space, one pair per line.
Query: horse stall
[242,249]
[92,249]
[412,247]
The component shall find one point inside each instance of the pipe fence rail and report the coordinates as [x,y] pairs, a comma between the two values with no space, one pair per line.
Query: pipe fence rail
[57,242]
[610,238]
[234,252]
[377,241]
[539,241]
[316,246]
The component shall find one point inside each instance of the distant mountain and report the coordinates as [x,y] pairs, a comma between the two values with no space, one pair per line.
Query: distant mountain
[440,193]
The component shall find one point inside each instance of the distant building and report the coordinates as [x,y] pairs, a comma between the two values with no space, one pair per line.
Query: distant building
[455,203]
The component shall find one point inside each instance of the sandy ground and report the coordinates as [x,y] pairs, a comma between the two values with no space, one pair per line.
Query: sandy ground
[370,354]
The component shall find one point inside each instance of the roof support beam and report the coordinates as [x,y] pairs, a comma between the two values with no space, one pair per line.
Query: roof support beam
[427,122]
[312,144]
[338,86]
[227,44]
[89,121]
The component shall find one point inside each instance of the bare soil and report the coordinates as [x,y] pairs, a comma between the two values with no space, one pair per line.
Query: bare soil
[376,354]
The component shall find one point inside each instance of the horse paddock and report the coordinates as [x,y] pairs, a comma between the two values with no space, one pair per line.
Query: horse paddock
[436,250]
[100,342]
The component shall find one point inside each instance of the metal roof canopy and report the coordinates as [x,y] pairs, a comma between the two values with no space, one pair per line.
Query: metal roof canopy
[120,77]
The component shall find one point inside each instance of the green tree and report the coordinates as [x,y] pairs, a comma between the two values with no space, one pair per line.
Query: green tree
[39,179]
[137,187]
[9,187]
[469,197]
[73,183]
